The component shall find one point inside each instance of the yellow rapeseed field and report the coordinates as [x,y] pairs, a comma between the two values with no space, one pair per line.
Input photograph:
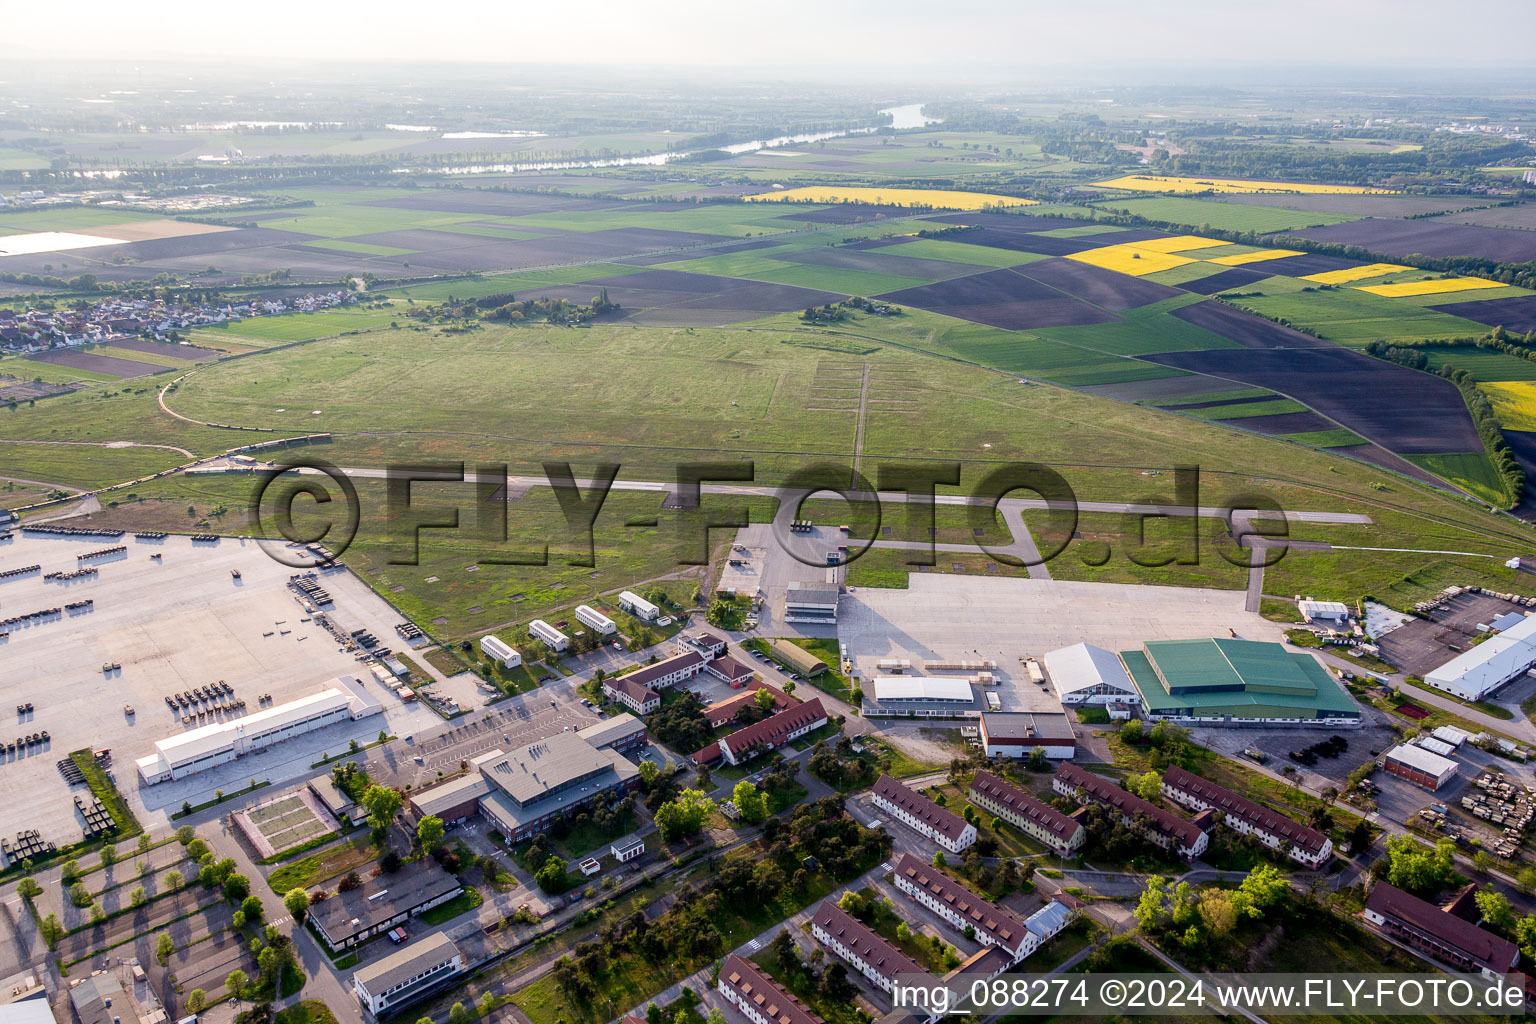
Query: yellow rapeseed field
[938,199]
[1130,259]
[1514,403]
[1242,258]
[1178,243]
[1158,183]
[1431,287]
[1355,273]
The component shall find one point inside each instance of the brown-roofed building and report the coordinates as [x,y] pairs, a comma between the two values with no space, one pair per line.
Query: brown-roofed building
[724,712]
[760,999]
[670,672]
[773,731]
[1304,845]
[991,924]
[1028,814]
[1445,937]
[1168,830]
[639,698]
[730,670]
[872,956]
[922,815]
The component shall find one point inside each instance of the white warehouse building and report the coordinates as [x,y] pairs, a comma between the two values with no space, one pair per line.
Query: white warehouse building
[498,649]
[211,745]
[1477,672]
[595,620]
[638,606]
[552,637]
[1085,674]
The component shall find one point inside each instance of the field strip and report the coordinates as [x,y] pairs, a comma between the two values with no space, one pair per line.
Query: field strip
[107,444]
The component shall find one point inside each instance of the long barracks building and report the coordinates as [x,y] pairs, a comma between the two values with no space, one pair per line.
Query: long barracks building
[923,816]
[992,925]
[1171,832]
[1304,845]
[1062,833]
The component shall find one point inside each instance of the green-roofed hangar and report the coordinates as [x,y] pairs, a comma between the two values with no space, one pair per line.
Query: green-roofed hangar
[1237,682]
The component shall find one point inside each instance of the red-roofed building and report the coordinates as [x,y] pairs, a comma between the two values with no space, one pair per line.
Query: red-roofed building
[639,698]
[872,956]
[1028,814]
[1298,842]
[773,731]
[730,670]
[724,712]
[1168,830]
[991,924]
[922,815]
[670,672]
[760,999]
[1445,937]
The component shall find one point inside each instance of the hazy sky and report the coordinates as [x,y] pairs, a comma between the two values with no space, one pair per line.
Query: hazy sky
[1024,35]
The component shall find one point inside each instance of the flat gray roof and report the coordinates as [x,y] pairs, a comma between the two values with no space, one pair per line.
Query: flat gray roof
[529,773]
[406,963]
[347,913]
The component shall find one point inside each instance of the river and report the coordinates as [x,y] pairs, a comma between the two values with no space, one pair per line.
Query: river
[902,118]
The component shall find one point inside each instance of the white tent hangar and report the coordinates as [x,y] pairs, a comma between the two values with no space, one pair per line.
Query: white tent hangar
[1475,673]
[1084,674]
[924,688]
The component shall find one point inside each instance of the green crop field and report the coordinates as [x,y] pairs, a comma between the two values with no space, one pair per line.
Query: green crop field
[1143,331]
[961,252]
[1484,364]
[1349,316]
[1339,438]
[1473,472]
[1224,216]
[1248,410]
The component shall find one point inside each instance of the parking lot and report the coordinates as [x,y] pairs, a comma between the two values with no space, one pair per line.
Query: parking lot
[1420,646]
[170,624]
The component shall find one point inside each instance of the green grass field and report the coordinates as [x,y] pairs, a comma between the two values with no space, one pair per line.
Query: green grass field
[1484,364]
[1224,216]
[1352,317]
[1339,438]
[1143,331]
[961,252]
[1472,472]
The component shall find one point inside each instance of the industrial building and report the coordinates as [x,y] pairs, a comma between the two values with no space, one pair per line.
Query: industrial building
[922,815]
[1166,829]
[1482,669]
[623,733]
[1423,768]
[920,697]
[595,620]
[1306,846]
[759,998]
[551,637]
[177,757]
[523,792]
[1084,674]
[1237,682]
[1019,734]
[1064,834]
[639,607]
[811,602]
[496,649]
[1335,613]
[638,697]
[1451,940]
[798,658]
[345,919]
[773,732]
[406,974]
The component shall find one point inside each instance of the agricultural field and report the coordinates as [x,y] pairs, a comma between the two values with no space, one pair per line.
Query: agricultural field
[1222,216]
[933,199]
[1159,183]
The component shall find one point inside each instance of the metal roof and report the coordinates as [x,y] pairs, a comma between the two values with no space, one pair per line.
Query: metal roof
[532,772]
[405,964]
[1083,666]
[889,688]
[1419,759]
[1491,662]
[209,739]
[611,730]
[1240,678]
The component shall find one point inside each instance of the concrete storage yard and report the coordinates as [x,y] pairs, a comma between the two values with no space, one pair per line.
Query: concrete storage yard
[943,617]
[172,623]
